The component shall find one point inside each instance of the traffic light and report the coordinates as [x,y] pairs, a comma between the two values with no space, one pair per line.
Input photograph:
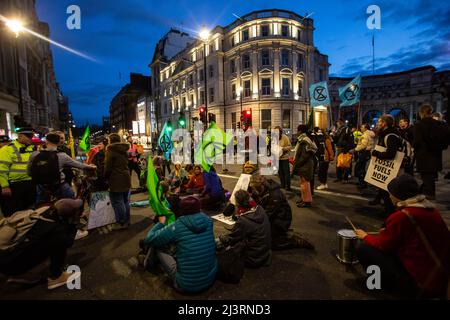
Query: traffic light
[169,126]
[247,119]
[202,113]
[182,121]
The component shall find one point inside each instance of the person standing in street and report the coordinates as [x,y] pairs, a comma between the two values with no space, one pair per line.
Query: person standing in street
[284,171]
[118,174]
[388,138]
[46,170]
[407,133]
[18,191]
[364,148]
[430,140]
[133,155]
[344,141]
[325,155]
[304,165]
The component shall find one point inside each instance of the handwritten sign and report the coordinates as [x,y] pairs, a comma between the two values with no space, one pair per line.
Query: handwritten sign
[381,172]
[242,184]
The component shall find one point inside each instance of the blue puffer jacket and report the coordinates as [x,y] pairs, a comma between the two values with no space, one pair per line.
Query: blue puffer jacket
[196,250]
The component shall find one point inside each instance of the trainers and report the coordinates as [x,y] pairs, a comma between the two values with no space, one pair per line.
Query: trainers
[62,280]
[304,205]
[81,234]
[26,279]
[322,187]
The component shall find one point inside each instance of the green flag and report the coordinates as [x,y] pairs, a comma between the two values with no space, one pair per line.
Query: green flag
[165,142]
[214,141]
[158,202]
[85,143]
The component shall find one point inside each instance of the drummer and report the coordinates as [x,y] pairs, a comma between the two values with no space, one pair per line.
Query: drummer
[413,251]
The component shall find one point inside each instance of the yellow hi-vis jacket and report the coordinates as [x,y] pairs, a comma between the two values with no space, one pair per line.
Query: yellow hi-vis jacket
[13,163]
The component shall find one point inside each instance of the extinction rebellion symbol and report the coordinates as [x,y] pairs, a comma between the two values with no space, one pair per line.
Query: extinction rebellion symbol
[319,94]
[351,92]
[165,144]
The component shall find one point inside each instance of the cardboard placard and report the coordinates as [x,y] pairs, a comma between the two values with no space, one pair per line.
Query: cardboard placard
[381,172]
[242,184]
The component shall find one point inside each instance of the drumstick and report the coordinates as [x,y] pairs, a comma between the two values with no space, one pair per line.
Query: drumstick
[349,221]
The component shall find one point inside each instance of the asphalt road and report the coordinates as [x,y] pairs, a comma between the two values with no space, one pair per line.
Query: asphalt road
[110,271]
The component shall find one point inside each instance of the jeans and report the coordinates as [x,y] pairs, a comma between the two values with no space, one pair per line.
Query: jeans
[360,167]
[285,174]
[394,276]
[120,203]
[323,172]
[169,265]
[134,166]
[45,194]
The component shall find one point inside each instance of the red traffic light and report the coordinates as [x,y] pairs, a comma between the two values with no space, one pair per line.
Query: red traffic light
[248,113]
[202,110]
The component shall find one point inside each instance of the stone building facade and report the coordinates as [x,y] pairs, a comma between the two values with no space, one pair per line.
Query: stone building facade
[265,60]
[40,91]
[400,94]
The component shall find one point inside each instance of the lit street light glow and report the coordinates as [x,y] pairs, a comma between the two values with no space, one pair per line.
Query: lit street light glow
[15,26]
[204,34]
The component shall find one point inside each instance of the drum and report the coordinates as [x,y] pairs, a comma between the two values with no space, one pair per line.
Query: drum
[347,247]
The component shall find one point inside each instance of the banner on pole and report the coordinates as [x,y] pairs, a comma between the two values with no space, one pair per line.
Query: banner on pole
[381,172]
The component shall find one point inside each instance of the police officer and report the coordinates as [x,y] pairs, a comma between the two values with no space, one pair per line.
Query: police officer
[18,192]
[4,141]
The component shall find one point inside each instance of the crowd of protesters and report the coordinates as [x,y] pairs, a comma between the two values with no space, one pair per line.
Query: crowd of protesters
[413,248]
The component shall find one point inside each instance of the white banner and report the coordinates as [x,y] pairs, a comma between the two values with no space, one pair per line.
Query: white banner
[381,172]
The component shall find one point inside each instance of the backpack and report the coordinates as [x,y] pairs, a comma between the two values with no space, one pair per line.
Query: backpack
[231,264]
[319,140]
[13,230]
[45,168]
[406,148]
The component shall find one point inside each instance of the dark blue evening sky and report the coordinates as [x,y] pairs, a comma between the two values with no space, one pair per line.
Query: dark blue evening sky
[121,35]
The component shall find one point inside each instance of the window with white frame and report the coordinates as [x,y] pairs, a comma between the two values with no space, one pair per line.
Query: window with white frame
[286,87]
[233,91]
[232,65]
[245,34]
[246,61]
[285,57]
[266,118]
[284,30]
[247,88]
[266,88]
[211,95]
[265,58]
[264,30]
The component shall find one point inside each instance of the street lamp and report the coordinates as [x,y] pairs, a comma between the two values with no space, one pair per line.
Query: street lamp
[16,27]
[204,35]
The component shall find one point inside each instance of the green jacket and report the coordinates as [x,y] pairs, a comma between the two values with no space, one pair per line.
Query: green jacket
[13,163]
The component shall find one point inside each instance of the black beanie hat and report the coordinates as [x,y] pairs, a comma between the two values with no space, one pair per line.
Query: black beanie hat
[404,187]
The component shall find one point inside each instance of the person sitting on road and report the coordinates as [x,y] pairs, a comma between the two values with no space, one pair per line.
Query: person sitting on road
[267,193]
[413,250]
[51,235]
[213,193]
[178,177]
[196,183]
[193,268]
[253,227]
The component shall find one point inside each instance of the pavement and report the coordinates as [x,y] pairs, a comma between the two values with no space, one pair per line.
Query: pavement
[110,270]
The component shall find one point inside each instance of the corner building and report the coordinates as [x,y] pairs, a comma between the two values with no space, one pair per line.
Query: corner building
[265,62]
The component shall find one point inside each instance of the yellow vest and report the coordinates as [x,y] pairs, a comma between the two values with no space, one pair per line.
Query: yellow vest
[13,163]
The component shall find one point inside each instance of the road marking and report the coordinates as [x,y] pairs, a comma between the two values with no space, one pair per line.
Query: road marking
[328,193]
